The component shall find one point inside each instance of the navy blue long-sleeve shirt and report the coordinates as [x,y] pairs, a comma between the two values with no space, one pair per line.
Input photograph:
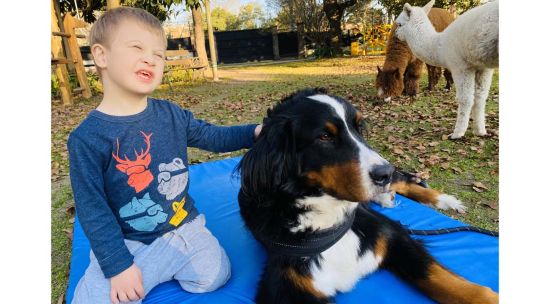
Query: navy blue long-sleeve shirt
[129,175]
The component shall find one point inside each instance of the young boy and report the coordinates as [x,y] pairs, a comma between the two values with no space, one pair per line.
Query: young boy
[128,168]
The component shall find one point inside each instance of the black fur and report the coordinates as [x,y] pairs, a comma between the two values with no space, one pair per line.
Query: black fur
[273,178]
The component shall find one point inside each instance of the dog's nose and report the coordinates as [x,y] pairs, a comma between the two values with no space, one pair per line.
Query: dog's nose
[382,174]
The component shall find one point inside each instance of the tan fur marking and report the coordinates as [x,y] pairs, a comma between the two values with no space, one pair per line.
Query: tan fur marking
[381,247]
[331,128]
[342,180]
[304,282]
[416,192]
[358,116]
[447,287]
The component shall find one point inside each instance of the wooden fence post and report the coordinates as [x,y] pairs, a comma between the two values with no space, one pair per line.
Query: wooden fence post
[70,24]
[60,70]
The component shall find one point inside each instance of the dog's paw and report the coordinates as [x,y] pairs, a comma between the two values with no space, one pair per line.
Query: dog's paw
[445,202]
[385,200]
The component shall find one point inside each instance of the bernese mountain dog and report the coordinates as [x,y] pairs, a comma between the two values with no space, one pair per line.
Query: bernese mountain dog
[305,186]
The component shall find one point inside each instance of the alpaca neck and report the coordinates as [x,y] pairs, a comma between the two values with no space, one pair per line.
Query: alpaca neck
[426,44]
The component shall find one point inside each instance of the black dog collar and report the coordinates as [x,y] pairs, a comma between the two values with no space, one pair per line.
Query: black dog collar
[315,244]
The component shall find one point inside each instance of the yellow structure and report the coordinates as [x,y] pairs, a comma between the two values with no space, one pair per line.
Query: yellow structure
[374,42]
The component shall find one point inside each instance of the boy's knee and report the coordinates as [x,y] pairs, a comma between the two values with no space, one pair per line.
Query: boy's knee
[212,279]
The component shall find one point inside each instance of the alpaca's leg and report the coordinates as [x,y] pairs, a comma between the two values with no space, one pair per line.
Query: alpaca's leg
[449,81]
[434,74]
[465,98]
[412,76]
[481,91]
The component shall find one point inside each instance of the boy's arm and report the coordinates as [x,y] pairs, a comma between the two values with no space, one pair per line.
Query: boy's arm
[95,215]
[214,138]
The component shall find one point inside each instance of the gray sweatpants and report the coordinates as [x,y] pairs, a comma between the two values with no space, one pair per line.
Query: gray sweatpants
[190,254]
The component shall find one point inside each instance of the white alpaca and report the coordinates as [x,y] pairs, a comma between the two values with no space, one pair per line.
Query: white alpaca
[468,47]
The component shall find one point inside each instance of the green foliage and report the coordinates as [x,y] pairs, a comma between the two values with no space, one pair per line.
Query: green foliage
[396,6]
[222,20]
[324,51]
[250,16]
[159,8]
[55,86]
[93,82]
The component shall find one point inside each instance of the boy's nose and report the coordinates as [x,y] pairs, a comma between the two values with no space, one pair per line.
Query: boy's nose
[149,59]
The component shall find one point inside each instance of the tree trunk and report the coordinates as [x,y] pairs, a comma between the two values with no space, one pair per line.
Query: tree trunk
[334,13]
[199,34]
[300,36]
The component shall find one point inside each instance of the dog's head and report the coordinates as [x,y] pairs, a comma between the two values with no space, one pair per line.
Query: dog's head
[312,144]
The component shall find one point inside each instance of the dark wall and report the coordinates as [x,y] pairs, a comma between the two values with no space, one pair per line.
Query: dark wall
[288,44]
[244,45]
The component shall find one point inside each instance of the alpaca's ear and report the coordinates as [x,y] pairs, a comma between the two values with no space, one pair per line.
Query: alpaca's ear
[407,8]
[378,69]
[428,6]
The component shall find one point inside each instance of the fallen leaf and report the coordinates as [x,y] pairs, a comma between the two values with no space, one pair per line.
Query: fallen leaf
[398,151]
[490,205]
[69,233]
[480,185]
[70,210]
[457,170]
[477,189]
[60,299]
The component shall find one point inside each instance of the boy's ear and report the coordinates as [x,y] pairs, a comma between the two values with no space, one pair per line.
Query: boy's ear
[98,52]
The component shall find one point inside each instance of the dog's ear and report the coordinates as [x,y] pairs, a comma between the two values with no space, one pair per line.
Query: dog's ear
[272,162]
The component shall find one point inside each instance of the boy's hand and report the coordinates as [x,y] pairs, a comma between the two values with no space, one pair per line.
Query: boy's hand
[127,285]
[258,130]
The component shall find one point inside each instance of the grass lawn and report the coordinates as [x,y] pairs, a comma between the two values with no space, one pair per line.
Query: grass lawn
[410,133]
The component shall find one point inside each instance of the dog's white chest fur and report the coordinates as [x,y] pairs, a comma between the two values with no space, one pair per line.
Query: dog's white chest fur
[341,266]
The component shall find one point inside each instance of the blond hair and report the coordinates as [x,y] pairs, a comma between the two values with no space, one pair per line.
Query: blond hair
[104,27]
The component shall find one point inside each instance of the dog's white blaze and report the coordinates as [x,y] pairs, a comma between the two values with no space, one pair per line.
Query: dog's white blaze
[325,212]
[367,157]
[341,266]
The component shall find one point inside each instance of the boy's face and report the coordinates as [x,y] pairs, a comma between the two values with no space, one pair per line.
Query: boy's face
[134,60]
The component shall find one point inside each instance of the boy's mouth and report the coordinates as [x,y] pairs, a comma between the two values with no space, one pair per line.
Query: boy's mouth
[145,75]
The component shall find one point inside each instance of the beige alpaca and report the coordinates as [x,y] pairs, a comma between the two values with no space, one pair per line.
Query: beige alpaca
[468,47]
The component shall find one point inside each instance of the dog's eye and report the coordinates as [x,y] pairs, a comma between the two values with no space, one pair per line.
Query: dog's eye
[325,136]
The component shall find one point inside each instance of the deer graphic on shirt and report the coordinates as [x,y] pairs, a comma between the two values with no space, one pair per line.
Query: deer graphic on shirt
[137,170]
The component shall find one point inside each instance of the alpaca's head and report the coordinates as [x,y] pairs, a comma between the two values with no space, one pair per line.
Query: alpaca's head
[408,22]
[389,83]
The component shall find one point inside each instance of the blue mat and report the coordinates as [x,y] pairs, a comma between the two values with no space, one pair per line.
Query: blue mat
[472,255]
